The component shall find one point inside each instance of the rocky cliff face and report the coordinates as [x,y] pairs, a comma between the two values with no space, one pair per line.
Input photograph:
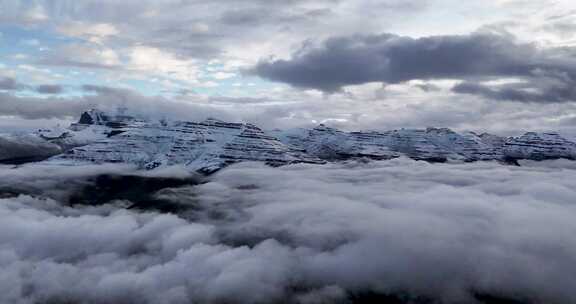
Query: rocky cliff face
[539,146]
[212,144]
[431,144]
[332,144]
[468,146]
[201,146]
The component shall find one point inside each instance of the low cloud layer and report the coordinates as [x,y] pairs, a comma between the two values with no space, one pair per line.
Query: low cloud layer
[388,58]
[401,106]
[303,234]
[10,84]
[104,98]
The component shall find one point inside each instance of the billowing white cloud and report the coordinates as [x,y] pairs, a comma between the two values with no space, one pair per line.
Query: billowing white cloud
[154,61]
[303,233]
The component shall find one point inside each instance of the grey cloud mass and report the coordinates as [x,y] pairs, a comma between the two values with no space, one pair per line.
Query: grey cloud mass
[538,89]
[389,58]
[192,108]
[36,108]
[192,29]
[9,84]
[50,89]
[384,227]
[363,112]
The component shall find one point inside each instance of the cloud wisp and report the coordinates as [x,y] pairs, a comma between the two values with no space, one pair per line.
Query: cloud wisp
[305,234]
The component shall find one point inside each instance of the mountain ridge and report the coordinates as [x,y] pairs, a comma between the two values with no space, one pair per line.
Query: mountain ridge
[210,145]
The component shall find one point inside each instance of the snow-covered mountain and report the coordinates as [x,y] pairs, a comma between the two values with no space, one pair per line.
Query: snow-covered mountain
[201,146]
[431,144]
[212,144]
[539,146]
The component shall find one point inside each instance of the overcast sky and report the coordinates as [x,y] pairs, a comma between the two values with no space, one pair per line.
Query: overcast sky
[487,65]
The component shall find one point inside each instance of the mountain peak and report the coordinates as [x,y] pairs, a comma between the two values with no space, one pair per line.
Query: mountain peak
[99,117]
[93,117]
[209,145]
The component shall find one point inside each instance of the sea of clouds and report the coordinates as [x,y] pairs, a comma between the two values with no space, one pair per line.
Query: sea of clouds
[299,233]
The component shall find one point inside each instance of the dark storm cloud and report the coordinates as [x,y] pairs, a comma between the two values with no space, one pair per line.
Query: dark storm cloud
[521,92]
[50,89]
[359,59]
[486,91]
[540,87]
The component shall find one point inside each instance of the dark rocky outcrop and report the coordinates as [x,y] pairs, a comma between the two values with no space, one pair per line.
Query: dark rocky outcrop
[139,191]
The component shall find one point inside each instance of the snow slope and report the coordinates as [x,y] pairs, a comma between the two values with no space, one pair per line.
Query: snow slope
[212,144]
[201,146]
